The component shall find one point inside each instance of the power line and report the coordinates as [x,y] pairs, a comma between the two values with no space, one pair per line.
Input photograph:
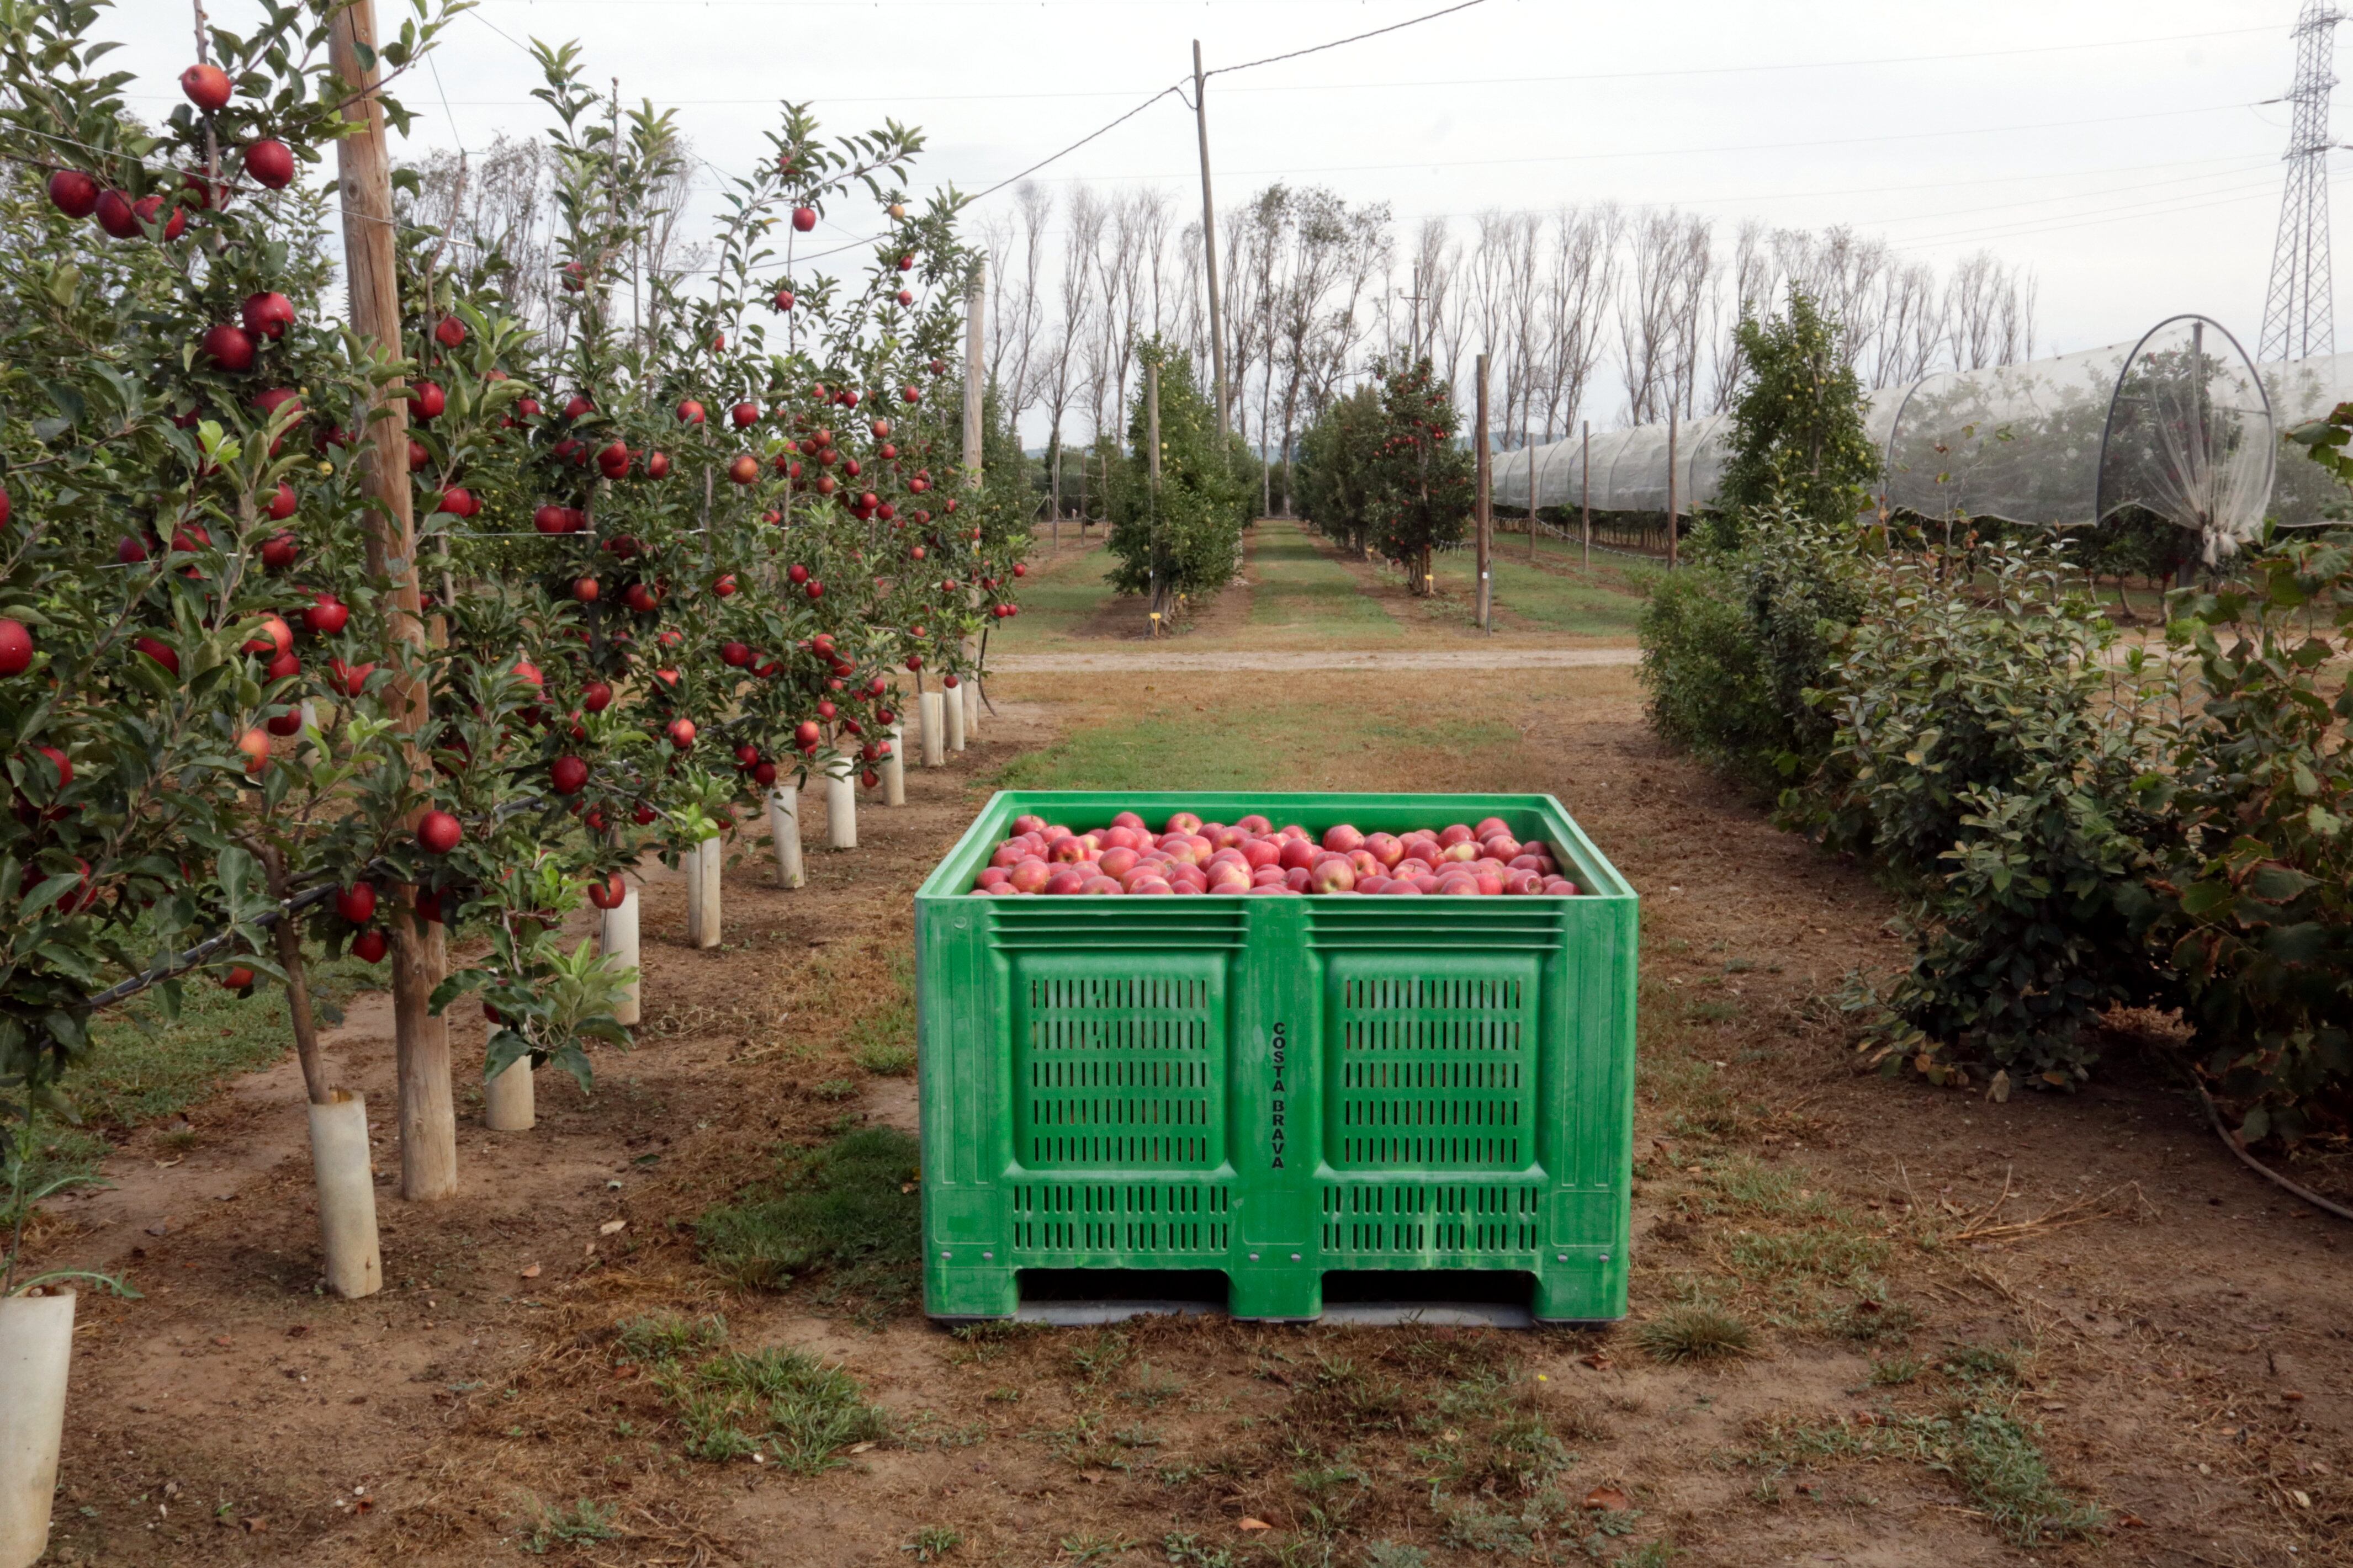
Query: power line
[1356,39]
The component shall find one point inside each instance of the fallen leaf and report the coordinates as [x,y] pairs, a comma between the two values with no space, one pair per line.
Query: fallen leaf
[1256,1524]
[2132,1521]
[297,1331]
[613,1227]
[906,1187]
[1597,1360]
[161,1227]
[859,1447]
[256,1526]
[2290,1394]
[363,1504]
[220,1339]
[1095,1477]
[2303,1499]
[531,1271]
[1609,1498]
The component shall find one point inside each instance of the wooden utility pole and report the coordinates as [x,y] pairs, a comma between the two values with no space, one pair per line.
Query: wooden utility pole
[973,349]
[1528,445]
[1485,515]
[1670,487]
[1209,250]
[1585,492]
[1152,467]
[428,1116]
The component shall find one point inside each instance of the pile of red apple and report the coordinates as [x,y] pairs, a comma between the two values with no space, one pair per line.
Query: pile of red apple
[1252,855]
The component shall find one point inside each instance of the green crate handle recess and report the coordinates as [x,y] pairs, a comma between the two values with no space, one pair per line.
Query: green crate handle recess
[1277,1087]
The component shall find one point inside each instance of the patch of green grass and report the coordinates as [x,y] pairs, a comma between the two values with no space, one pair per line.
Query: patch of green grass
[1535,599]
[1057,598]
[149,1060]
[781,1404]
[1695,1332]
[932,1543]
[1870,1322]
[1395,1554]
[658,1338]
[579,1524]
[848,1208]
[1982,1366]
[1895,1372]
[1993,1457]
[1743,1186]
[1163,751]
[883,1039]
[1996,1461]
[836,1089]
[1823,1256]
[1300,585]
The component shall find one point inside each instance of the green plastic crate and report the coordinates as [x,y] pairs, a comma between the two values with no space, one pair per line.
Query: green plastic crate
[1277,1087]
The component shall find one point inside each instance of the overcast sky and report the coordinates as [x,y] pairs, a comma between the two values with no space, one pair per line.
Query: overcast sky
[2120,150]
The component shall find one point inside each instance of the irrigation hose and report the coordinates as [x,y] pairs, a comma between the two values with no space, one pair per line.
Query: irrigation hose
[2214,1118]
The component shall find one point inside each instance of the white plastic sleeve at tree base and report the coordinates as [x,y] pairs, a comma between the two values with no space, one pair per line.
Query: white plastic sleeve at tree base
[894,769]
[619,945]
[928,709]
[511,1101]
[953,703]
[36,1353]
[841,809]
[784,834]
[702,866]
[339,1163]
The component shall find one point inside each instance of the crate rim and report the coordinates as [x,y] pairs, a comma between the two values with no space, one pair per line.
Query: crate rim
[952,876]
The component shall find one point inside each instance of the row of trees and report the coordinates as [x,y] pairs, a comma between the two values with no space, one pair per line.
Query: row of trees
[665,538]
[1600,313]
[1381,470]
[2073,826]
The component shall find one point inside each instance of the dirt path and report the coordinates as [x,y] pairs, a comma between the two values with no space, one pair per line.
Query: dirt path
[2168,1333]
[1143,661]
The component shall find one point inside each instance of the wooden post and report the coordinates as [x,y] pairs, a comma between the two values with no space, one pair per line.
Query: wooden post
[1585,492]
[973,352]
[1484,515]
[1528,445]
[1209,252]
[1670,487]
[1152,464]
[428,1113]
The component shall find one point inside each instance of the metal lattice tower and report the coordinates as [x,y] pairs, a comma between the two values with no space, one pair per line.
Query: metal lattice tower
[2299,320]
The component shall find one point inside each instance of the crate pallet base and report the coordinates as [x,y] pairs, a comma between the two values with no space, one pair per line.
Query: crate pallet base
[1491,1298]
[1278,1090]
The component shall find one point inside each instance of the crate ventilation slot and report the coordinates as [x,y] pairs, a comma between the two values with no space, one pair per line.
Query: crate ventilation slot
[1396,1217]
[1137,1218]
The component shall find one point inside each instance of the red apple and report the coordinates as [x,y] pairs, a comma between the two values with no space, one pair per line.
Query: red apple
[803,219]
[658,466]
[690,412]
[725,586]
[597,696]
[115,215]
[285,667]
[585,590]
[229,348]
[208,87]
[73,193]
[567,775]
[784,296]
[438,832]
[449,332]
[15,647]
[326,615]
[237,977]
[680,733]
[426,400]
[270,163]
[160,652]
[744,470]
[609,892]
[356,903]
[745,414]
[269,316]
[370,946]
[277,637]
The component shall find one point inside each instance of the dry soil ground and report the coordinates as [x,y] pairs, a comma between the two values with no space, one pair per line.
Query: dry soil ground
[1940,1291]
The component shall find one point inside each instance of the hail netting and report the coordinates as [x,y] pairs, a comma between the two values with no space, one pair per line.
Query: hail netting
[2177,422]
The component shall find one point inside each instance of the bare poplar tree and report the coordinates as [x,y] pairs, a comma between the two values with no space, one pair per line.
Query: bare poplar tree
[1016,243]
